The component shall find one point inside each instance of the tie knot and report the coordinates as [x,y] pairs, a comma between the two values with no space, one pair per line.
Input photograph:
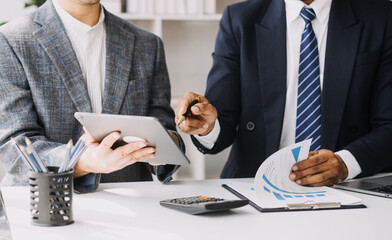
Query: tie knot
[308,14]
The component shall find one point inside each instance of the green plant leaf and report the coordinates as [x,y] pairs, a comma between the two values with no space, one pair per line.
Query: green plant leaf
[37,3]
[2,23]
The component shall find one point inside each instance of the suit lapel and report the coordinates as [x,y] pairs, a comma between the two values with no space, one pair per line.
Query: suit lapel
[342,44]
[119,53]
[272,62]
[55,42]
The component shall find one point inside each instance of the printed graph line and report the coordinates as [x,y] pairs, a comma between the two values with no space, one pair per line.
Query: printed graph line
[278,196]
[273,186]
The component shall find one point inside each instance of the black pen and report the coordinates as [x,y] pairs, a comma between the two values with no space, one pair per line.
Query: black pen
[188,110]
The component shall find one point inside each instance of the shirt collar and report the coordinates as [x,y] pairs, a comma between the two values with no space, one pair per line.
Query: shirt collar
[72,23]
[320,7]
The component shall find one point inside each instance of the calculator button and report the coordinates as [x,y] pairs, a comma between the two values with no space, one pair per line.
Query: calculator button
[204,197]
[201,204]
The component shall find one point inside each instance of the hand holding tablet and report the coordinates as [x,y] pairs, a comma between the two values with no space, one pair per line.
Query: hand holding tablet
[134,129]
[100,157]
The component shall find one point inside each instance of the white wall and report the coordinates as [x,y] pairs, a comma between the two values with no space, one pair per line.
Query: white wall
[188,46]
[11,9]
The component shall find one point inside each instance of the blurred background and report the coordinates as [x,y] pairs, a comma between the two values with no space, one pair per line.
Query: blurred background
[188,29]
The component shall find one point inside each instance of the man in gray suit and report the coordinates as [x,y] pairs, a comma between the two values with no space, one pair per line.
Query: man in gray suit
[72,55]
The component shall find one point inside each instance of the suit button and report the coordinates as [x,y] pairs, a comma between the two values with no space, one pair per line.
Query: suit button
[201,150]
[250,126]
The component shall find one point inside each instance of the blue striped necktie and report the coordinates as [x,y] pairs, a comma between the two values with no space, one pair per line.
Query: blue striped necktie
[309,99]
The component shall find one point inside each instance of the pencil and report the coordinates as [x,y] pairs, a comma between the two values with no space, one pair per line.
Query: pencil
[65,163]
[77,155]
[33,159]
[75,147]
[35,155]
[24,155]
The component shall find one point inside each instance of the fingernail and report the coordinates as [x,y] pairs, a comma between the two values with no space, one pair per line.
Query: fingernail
[298,181]
[151,150]
[292,176]
[152,156]
[116,135]
[205,126]
[195,109]
[141,145]
[295,168]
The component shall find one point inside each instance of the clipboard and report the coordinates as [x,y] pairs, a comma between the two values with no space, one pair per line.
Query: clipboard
[295,207]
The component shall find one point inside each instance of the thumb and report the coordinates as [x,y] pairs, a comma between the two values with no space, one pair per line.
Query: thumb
[204,108]
[196,110]
[87,137]
[109,140]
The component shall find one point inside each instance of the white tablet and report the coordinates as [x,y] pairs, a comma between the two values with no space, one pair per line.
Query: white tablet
[135,128]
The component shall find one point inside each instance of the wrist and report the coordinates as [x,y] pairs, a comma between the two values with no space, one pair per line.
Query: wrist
[211,121]
[175,138]
[209,129]
[344,169]
[80,169]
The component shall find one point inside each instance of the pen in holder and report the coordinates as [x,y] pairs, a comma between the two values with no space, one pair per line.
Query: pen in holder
[51,197]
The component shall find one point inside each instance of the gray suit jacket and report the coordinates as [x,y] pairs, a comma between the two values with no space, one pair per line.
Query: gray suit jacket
[42,86]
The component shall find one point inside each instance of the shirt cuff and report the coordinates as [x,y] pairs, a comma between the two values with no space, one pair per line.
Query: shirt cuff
[209,140]
[352,165]
[87,183]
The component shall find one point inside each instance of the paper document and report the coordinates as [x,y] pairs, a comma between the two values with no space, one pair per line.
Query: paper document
[272,187]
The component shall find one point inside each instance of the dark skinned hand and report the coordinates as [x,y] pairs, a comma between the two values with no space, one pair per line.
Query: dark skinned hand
[321,168]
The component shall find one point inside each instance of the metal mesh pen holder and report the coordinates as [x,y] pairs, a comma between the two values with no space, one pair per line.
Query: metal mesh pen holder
[51,197]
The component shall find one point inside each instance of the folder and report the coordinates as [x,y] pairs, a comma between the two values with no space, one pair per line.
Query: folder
[294,207]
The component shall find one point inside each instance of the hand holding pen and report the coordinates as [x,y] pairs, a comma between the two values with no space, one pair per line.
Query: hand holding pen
[195,114]
[188,110]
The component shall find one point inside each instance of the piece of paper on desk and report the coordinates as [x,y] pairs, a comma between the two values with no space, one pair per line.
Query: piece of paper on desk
[272,187]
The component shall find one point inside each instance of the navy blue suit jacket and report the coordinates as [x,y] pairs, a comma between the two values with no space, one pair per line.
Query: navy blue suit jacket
[247,83]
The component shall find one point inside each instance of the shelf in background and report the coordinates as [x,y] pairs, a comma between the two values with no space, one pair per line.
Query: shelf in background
[130,17]
[189,40]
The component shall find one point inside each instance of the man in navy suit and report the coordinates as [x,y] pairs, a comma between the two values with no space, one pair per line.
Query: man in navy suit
[288,70]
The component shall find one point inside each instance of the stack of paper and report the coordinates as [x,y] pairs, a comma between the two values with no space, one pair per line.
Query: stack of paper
[272,187]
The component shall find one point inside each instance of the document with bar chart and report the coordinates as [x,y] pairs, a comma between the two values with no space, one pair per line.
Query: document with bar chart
[274,189]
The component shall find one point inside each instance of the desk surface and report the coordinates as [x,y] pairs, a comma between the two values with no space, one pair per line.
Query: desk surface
[132,211]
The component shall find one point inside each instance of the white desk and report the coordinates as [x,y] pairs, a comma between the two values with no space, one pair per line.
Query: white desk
[132,211]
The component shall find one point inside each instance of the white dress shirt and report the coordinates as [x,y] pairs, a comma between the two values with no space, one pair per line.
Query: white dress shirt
[295,28]
[89,46]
